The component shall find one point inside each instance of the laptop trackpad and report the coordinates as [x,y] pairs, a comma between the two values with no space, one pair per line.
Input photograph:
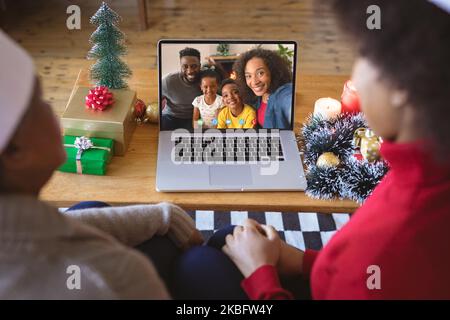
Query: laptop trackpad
[230,175]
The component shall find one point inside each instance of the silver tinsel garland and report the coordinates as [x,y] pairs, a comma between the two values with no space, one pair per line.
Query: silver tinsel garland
[352,179]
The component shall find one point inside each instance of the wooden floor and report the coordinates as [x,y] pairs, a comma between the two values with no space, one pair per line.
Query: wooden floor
[60,53]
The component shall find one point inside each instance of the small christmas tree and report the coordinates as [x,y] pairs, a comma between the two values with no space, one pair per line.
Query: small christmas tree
[109,70]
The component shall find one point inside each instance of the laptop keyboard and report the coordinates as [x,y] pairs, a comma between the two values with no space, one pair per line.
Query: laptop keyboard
[228,149]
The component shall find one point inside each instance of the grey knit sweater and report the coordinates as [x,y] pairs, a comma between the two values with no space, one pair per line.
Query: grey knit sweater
[42,251]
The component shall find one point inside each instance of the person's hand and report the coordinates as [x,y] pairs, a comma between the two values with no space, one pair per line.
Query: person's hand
[291,259]
[255,224]
[250,249]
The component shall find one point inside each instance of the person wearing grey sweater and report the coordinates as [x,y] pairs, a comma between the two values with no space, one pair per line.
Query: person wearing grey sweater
[38,245]
[80,254]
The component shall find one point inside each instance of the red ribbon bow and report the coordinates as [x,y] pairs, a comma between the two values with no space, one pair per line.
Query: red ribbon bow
[99,98]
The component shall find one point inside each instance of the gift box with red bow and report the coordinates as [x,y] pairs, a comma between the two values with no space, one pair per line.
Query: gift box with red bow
[102,113]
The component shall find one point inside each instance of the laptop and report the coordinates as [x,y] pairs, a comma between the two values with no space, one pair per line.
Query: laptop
[226,116]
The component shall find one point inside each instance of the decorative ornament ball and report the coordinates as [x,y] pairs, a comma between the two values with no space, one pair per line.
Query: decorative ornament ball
[369,144]
[328,159]
[370,149]
[139,109]
[152,112]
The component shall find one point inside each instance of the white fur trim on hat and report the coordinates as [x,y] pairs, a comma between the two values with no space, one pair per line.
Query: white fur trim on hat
[17,79]
[443,4]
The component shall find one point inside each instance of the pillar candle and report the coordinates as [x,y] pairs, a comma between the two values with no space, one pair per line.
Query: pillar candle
[349,98]
[327,108]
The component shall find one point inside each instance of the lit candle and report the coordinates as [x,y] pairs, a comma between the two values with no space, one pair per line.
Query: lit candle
[349,98]
[327,108]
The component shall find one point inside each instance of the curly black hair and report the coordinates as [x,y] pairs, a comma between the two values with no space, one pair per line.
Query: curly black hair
[227,81]
[278,66]
[208,73]
[191,52]
[412,52]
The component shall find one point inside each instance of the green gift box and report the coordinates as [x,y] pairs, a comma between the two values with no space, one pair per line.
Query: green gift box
[87,155]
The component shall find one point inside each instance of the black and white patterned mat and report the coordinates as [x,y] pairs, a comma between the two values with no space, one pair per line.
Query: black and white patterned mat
[300,229]
[304,230]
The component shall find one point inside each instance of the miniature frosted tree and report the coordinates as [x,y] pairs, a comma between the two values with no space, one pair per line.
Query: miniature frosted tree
[109,70]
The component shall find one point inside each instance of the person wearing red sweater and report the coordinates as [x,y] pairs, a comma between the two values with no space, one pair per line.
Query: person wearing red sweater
[397,245]
[402,231]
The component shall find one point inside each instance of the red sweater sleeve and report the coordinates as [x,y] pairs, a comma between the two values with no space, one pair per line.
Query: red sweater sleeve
[263,284]
[308,261]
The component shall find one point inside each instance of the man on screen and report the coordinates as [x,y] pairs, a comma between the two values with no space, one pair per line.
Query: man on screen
[179,89]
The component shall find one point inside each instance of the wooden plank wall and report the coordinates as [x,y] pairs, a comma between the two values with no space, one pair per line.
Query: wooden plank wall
[40,26]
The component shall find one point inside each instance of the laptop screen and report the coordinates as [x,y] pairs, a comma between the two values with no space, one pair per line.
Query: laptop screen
[226,84]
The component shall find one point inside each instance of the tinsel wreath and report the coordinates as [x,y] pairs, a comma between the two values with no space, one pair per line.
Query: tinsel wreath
[352,178]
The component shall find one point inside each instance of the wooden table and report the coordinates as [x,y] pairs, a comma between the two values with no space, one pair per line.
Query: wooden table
[131,179]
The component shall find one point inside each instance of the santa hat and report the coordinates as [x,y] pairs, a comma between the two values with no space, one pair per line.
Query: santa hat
[17,79]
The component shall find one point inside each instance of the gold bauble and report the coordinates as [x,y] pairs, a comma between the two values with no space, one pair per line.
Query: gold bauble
[369,144]
[370,149]
[328,159]
[152,112]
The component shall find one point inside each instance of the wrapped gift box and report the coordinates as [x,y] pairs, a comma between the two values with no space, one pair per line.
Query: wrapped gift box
[93,160]
[116,122]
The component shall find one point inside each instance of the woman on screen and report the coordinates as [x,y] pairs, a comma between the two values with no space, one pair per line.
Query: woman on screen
[267,81]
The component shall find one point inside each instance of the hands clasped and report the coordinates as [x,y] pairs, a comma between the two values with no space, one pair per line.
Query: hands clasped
[253,245]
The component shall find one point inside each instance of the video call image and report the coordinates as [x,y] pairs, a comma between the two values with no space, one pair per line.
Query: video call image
[227,85]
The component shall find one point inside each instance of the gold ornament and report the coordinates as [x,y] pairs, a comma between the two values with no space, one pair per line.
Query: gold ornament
[368,143]
[328,159]
[152,112]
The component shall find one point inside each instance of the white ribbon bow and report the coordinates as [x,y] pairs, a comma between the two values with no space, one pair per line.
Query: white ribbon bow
[82,144]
